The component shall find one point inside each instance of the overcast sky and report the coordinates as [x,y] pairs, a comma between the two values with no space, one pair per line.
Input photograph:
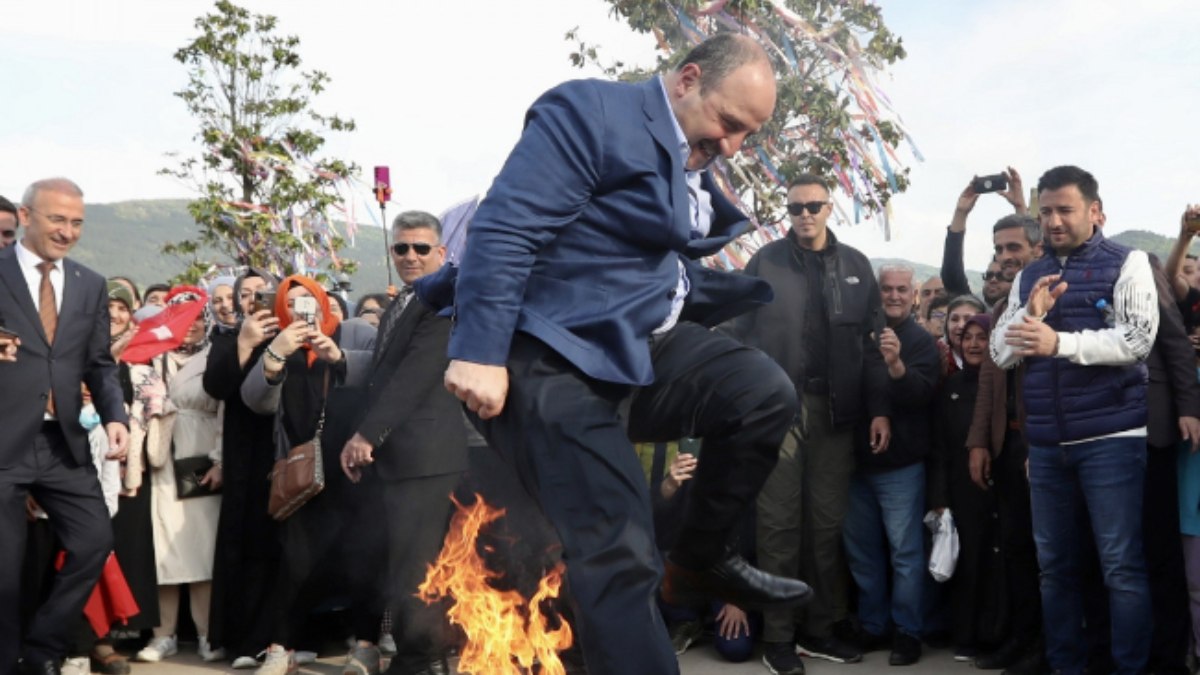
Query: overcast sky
[439,89]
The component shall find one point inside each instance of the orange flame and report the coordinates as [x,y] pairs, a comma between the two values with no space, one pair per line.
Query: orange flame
[506,634]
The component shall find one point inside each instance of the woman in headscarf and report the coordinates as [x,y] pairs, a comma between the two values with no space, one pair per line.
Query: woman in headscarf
[248,548]
[179,421]
[313,366]
[958,310]
[224,302]
[977,602]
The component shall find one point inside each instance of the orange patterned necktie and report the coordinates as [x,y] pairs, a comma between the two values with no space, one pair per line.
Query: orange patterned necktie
[48,311]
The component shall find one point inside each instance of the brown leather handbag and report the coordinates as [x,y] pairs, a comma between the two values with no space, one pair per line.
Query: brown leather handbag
[300,476]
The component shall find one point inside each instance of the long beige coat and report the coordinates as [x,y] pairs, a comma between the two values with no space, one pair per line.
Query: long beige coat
[185,531]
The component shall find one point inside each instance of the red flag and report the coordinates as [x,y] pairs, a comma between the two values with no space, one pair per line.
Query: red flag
[165,331]
[111,600]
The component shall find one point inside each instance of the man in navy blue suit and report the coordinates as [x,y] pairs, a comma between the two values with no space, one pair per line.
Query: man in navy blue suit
[582,322]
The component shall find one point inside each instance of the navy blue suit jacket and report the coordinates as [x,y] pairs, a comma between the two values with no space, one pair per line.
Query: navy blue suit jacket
[579,239]
[80,354]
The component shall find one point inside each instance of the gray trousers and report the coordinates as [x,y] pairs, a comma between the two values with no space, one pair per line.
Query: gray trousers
[800,514]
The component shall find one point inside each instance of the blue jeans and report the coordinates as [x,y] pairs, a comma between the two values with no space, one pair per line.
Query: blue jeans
[888,504]
[1101,480]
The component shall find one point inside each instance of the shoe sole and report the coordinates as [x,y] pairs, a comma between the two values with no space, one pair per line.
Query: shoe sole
[773,671]
[813,654]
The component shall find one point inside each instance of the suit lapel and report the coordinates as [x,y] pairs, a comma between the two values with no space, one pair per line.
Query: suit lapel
[73,300]
[662,129]
[10,274]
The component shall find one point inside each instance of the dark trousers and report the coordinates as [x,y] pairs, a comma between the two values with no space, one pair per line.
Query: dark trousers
[1016,539]
[565,433]
[71,495]
[418,512]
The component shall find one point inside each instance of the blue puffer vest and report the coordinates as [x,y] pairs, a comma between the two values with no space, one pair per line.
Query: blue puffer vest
[1065,401]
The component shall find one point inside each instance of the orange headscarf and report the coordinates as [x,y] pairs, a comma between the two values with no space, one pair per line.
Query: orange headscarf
[329,322]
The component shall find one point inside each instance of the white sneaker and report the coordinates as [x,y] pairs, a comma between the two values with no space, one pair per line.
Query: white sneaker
[158,649]
[387,644]
[207,653]
[243,662]
[303,658]
[279,661]
[80,665]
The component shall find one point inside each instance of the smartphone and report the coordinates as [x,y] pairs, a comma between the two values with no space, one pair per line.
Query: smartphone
[1193,222]
[10,334]
[264,300]
[305,306]
[994,183]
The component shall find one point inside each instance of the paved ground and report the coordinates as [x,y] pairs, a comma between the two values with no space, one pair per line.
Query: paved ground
[699,660]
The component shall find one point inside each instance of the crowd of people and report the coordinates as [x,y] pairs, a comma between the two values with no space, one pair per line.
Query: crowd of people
[757,452]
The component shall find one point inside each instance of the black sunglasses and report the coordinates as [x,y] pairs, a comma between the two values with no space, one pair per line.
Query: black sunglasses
[8,234]
[796,208]
[997,276]
[422,249]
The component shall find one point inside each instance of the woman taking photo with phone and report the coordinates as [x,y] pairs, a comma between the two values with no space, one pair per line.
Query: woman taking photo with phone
[307,378]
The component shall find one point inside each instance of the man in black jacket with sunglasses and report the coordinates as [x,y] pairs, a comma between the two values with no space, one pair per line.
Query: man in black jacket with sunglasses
[820,329]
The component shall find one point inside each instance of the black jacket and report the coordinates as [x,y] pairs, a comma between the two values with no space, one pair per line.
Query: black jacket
[858,377]
[415,425]
[912,398]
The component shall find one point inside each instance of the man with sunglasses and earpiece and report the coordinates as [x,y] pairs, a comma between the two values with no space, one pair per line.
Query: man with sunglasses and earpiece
[8,223]
[409,451]
[820,330]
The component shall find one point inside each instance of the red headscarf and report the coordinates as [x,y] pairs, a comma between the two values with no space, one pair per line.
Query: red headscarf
[329,322]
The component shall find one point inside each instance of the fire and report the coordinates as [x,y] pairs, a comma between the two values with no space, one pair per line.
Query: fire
[506,634]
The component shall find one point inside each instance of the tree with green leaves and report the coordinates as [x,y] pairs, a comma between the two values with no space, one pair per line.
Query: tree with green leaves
[264,197]
[830,118]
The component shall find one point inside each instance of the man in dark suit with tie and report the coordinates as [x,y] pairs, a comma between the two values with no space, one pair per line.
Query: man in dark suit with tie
[60,311]
[414,438]
[581,321]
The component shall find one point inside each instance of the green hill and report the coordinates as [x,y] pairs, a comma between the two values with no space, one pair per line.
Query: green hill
[126,238]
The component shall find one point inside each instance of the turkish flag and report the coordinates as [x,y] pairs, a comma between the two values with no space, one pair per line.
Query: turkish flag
[164,331]
[111,600]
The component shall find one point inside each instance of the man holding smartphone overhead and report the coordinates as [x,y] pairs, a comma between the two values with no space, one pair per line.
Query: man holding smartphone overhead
[60,308]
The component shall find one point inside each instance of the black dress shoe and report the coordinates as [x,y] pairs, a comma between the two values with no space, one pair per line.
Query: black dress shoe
[38,668]
[1007,654]
[1032,663]
[732,580]
[906,650]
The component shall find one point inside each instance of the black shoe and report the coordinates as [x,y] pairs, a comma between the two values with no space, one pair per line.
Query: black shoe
[1032,663]
[734,581]
[683,634]
[38,668]
[1006,655]
[830,649]
[780,658]
[906,650]
[865,640]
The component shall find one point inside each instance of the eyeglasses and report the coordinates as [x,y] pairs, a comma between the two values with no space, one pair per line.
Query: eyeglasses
[420,248]
[8,234]
[937,315]
[797,208]
[995,276]
[56,219]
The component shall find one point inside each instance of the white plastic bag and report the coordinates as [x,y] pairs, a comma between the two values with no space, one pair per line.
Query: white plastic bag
[944,555]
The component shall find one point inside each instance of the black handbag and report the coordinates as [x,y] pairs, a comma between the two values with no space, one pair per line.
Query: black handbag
[188,473]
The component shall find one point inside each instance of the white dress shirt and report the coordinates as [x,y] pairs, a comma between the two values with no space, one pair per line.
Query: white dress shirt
[699,213]
[29,261]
